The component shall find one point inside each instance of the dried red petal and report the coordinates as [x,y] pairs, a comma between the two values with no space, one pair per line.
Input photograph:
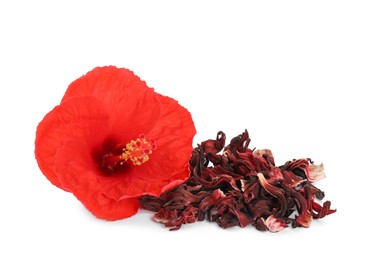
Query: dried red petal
[250,190]
[276,192]
[304,220]
[291,180]
[166,216]
[315,172]
[214,146]
[174,220]
[261,208]
[274,224]
[208,202]
[260,224]
[322,211]
[267,155]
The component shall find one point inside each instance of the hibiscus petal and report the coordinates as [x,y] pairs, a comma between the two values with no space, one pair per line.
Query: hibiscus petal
[173,134]
[78,171]
[315,172]
[276,192]
[78,118]
[208,202]
[274,224]
[266,154]
[134,108]
[304,219]
[323,210]
[214,146]
[176,179]
[291,179]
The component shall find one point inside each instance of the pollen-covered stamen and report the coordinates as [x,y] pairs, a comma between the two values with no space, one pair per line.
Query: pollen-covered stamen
[138,151]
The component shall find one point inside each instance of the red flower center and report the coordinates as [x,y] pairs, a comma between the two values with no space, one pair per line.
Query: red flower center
[136,152]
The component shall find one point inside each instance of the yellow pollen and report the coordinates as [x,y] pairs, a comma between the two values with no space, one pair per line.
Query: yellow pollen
[138,151]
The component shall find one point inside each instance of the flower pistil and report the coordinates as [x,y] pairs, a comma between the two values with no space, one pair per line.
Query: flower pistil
[137,151]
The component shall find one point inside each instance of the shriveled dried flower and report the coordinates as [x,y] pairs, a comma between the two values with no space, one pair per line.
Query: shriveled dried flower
[239,187]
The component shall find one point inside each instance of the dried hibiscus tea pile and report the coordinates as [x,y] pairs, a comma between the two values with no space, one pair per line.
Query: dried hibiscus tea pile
[241,187]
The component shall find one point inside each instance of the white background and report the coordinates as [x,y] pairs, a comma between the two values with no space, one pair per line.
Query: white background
[296,74]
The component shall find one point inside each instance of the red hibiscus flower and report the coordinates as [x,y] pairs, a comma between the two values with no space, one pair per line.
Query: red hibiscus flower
[113,139]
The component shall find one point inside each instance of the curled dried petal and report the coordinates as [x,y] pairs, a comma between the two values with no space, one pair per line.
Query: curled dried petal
[312,172]
[274,175]
[172,219]
[276,192]
[266,154]
[323,210]
[291,179]
[315,172]
[260,224]
[239,143]
[208,202]
[214,146]
[250,190]
[165,216]
[296,164]
[301,202]
[151,203]
[181,196]
[227,208]
[304,220]
[261,208]
[274,224]
[255,162]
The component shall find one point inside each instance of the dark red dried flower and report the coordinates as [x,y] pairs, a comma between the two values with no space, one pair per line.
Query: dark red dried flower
[242,187]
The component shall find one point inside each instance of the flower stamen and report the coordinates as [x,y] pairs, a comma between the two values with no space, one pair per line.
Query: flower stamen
[138,151]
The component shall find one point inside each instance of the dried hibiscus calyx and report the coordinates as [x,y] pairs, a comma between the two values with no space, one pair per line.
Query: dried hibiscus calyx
[235,186]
